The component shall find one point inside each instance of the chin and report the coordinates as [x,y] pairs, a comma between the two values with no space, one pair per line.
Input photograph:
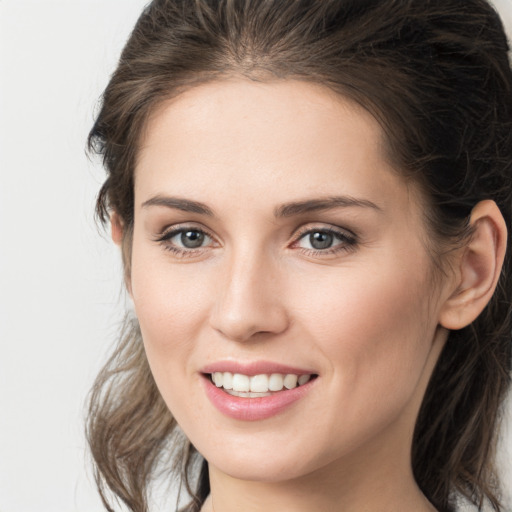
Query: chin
[257,470]
[267,462]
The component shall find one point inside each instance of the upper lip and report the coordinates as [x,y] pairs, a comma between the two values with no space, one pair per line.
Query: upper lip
[254,368]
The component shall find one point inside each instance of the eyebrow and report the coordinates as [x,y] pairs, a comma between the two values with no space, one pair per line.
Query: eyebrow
[179,203]
[313,205]
[286,210]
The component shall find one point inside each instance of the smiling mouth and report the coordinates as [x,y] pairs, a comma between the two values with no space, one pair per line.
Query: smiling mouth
[256,386]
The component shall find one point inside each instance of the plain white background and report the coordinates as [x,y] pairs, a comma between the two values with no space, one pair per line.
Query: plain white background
[60,280]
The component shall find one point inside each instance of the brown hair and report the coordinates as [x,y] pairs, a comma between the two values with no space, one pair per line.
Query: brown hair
[436,75]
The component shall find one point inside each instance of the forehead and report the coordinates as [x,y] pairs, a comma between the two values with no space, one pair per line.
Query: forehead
[268,139]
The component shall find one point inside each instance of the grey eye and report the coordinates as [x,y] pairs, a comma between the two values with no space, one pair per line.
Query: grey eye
[321,240]
[192,239]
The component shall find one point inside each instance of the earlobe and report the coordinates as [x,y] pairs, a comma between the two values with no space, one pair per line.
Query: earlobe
[479,267]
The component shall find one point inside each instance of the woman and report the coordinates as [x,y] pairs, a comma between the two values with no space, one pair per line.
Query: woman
[312,201]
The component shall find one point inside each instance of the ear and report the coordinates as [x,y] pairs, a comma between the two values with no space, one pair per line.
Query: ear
[117,228]
[478,267]
[117,232]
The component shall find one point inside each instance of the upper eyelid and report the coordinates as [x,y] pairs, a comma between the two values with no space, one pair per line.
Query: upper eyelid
[165,236]
[179,228]
[301,230]
[330,229]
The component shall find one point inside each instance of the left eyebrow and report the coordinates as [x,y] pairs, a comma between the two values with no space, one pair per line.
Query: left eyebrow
[313,205]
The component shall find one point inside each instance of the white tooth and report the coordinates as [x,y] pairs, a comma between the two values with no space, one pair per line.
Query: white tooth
[249,394]
[240,382]
[302,380]
[228,380]
[217,379]
[275,382]
[290,381]
[259,383]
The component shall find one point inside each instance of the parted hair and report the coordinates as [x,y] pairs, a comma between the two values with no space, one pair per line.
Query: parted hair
[436,76]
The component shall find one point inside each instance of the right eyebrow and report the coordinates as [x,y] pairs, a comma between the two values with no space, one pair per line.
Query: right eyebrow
[179,203]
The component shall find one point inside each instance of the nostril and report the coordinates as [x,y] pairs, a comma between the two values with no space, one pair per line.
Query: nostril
[246,309]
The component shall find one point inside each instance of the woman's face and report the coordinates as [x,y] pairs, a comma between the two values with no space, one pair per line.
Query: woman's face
[273,240]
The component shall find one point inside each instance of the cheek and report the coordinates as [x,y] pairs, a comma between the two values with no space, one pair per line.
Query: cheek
[170,307]
[375,329]
[171,311]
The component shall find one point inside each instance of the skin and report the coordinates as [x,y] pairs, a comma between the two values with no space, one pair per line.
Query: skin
[365,315]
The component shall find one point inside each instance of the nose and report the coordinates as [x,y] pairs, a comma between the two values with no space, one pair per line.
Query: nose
[248,301]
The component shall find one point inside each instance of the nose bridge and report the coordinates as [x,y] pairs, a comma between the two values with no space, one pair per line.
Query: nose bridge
[248,300]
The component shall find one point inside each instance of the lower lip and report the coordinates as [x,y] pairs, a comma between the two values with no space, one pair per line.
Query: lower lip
[254,409]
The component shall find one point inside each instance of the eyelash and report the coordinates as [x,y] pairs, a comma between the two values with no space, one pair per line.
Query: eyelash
[166,236]
[347,241]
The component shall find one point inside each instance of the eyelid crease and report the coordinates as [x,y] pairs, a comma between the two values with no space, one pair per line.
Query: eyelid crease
[336,230]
